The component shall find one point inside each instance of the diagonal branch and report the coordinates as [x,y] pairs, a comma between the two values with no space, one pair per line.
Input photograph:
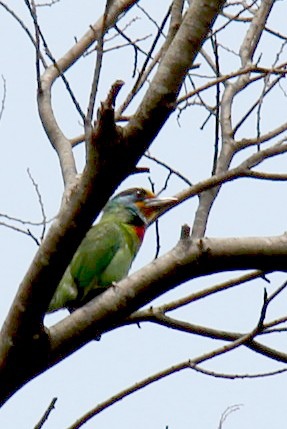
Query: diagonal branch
[160,99]
[23,342]
[26,349]
[188,364]
[57,138]
[189,259]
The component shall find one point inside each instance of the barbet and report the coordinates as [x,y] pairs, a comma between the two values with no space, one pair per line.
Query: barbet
[109,248]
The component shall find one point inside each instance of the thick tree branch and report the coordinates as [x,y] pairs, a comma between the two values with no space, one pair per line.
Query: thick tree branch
[189,259]
[113,154]
[58,140]
[228,149]
[22,330]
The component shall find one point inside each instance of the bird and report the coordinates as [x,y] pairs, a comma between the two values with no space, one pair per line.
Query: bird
[105,255]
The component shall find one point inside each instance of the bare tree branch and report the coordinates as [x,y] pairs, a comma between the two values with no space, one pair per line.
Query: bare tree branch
[60,143]
[44,218]
[25,28]
[226,414]
[46,414]
[27,348]
[190,363]
[3,97]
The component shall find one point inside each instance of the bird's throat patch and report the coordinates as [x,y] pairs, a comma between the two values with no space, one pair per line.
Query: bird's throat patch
[140,231]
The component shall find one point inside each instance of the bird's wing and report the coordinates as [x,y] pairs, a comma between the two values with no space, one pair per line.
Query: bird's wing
[91,258]
[94,255]
[103,257]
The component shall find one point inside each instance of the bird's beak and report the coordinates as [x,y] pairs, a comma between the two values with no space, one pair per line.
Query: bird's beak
[157,203]
[153,206]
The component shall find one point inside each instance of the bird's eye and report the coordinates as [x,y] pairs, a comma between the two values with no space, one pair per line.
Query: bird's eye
[141,194]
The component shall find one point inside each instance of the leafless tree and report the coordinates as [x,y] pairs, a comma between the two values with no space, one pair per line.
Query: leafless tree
[189,62]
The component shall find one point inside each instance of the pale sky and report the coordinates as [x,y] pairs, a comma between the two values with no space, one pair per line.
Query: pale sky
[127,355]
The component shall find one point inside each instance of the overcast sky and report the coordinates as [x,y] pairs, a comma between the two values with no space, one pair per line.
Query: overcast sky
[127,355]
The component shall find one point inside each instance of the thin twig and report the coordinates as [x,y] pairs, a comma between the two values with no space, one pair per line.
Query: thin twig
[27,31]
[46,415]
[217,109]
[124,45]
[134,46]
[44,217]
[246,70]
[157,235]
[142,76]
[51,57]
[3,97]
[22,221]
[227,412]
[96,77]
[50,3]
[37,38]
[257,102]
[170,169]
[23,231]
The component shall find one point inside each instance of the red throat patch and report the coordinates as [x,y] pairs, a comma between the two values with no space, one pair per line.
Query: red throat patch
[140,231]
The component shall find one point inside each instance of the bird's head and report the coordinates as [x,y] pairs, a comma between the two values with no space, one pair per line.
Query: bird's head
[137,206]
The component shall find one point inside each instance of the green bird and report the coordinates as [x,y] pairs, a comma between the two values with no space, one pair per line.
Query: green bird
[109,248]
